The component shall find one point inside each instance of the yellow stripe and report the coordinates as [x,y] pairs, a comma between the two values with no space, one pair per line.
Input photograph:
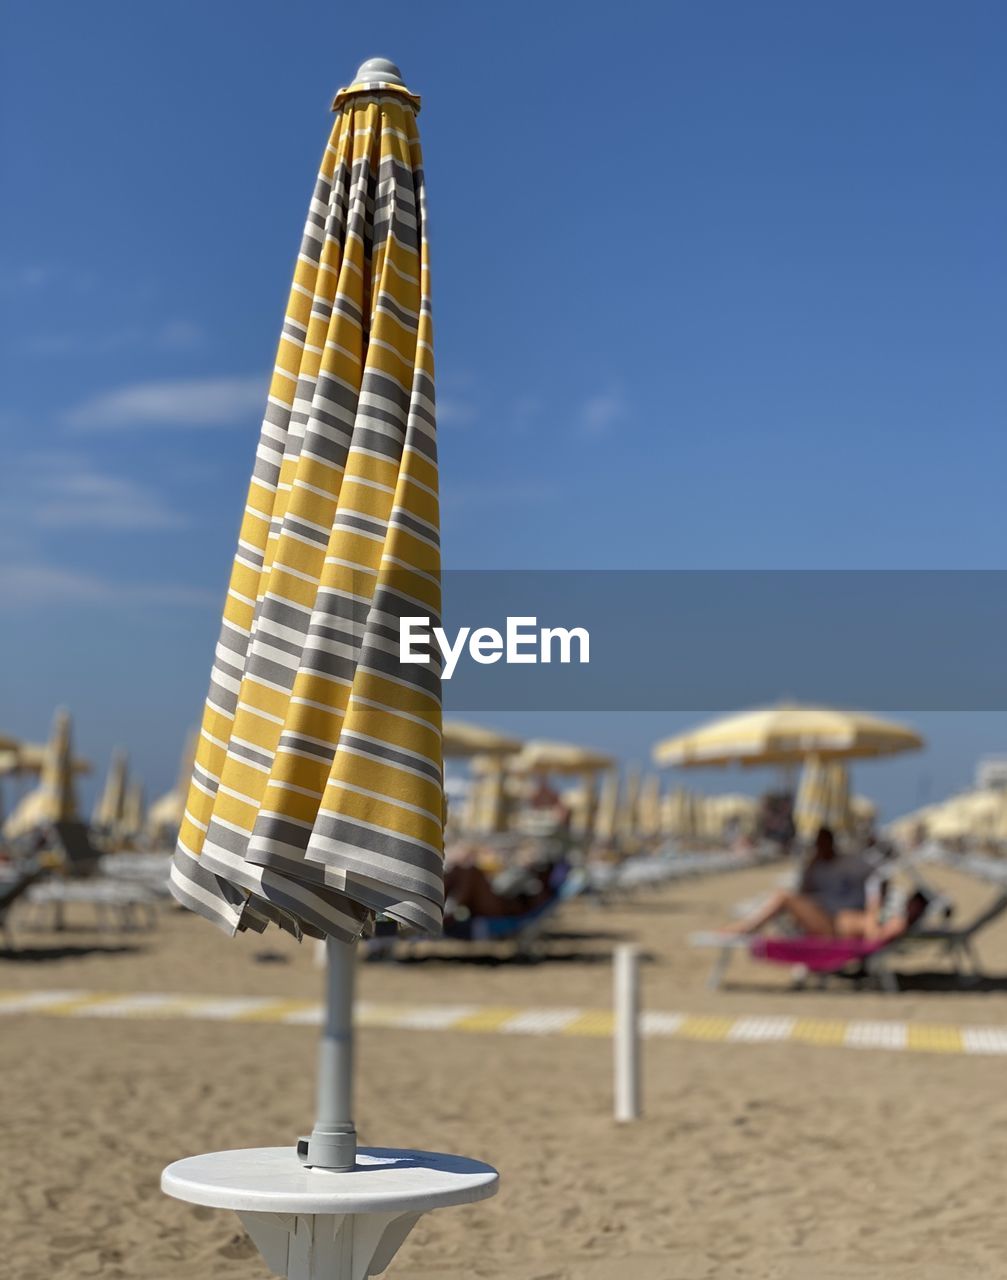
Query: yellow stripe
[85,1000]
[597,1022]
[276,1011]
[488,1019]
[818,1031]
[703,1027]
[710,1028]
[934,1039]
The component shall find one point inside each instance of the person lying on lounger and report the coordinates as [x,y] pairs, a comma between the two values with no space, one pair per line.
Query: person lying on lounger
[838,897]
[469,891]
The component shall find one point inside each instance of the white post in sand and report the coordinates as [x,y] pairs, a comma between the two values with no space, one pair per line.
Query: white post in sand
[626,990]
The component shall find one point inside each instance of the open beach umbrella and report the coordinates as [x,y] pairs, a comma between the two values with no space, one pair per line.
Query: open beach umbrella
[786,735]
[317,792]
[974,815]
[462,739]
[543,756]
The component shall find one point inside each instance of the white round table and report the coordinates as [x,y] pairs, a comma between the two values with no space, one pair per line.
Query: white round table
[313,1224]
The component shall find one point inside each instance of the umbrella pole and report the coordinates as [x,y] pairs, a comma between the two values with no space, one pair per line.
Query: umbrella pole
[333,1141]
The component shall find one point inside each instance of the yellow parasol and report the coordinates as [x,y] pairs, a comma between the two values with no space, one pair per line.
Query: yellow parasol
[462,739]
[543,756]
[786,735]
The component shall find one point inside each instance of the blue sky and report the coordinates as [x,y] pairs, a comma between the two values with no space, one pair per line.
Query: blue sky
[716,285]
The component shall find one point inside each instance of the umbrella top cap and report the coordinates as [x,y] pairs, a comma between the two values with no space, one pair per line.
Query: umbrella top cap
[380,76]
[379,69]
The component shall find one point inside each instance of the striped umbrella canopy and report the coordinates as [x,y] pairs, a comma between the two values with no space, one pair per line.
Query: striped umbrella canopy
[317,792]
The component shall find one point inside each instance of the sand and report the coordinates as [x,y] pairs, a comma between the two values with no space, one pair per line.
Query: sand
[774,1160]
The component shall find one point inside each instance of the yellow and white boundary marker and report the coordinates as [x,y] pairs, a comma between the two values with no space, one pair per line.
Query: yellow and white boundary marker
[510,1020]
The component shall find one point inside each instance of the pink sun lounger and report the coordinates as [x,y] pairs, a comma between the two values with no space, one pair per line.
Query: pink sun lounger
[819,955]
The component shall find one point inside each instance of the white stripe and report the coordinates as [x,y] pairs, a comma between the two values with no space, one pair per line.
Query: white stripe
[758,1029]
[876,1035]
[540,1021]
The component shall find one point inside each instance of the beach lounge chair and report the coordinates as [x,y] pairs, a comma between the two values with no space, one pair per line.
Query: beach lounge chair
[10,891]
[73,841]
[826,956]
[524,930]
[958,941]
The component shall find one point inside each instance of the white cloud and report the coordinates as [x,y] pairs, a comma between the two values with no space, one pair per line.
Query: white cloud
[600,413]
[172,335]
[187,402]
[66,491]
[454,412]
[46,586]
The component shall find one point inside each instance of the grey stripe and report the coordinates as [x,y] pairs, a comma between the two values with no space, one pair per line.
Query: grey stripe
[338,840]
[393,756]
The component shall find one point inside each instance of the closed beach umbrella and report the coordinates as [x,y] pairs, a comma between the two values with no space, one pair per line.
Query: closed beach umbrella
[823,798]
[487,812]
[133,810]
[607,815]
[786,735]
[55,797]
[316,798]
[317,792]
[648,809]
[165,815]
[812,800]
[108,811]
[629,808]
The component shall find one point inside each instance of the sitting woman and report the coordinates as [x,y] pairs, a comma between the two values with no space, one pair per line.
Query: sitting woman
[838,897]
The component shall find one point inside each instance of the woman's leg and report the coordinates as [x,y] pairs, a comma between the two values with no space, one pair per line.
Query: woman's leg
[808,914]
